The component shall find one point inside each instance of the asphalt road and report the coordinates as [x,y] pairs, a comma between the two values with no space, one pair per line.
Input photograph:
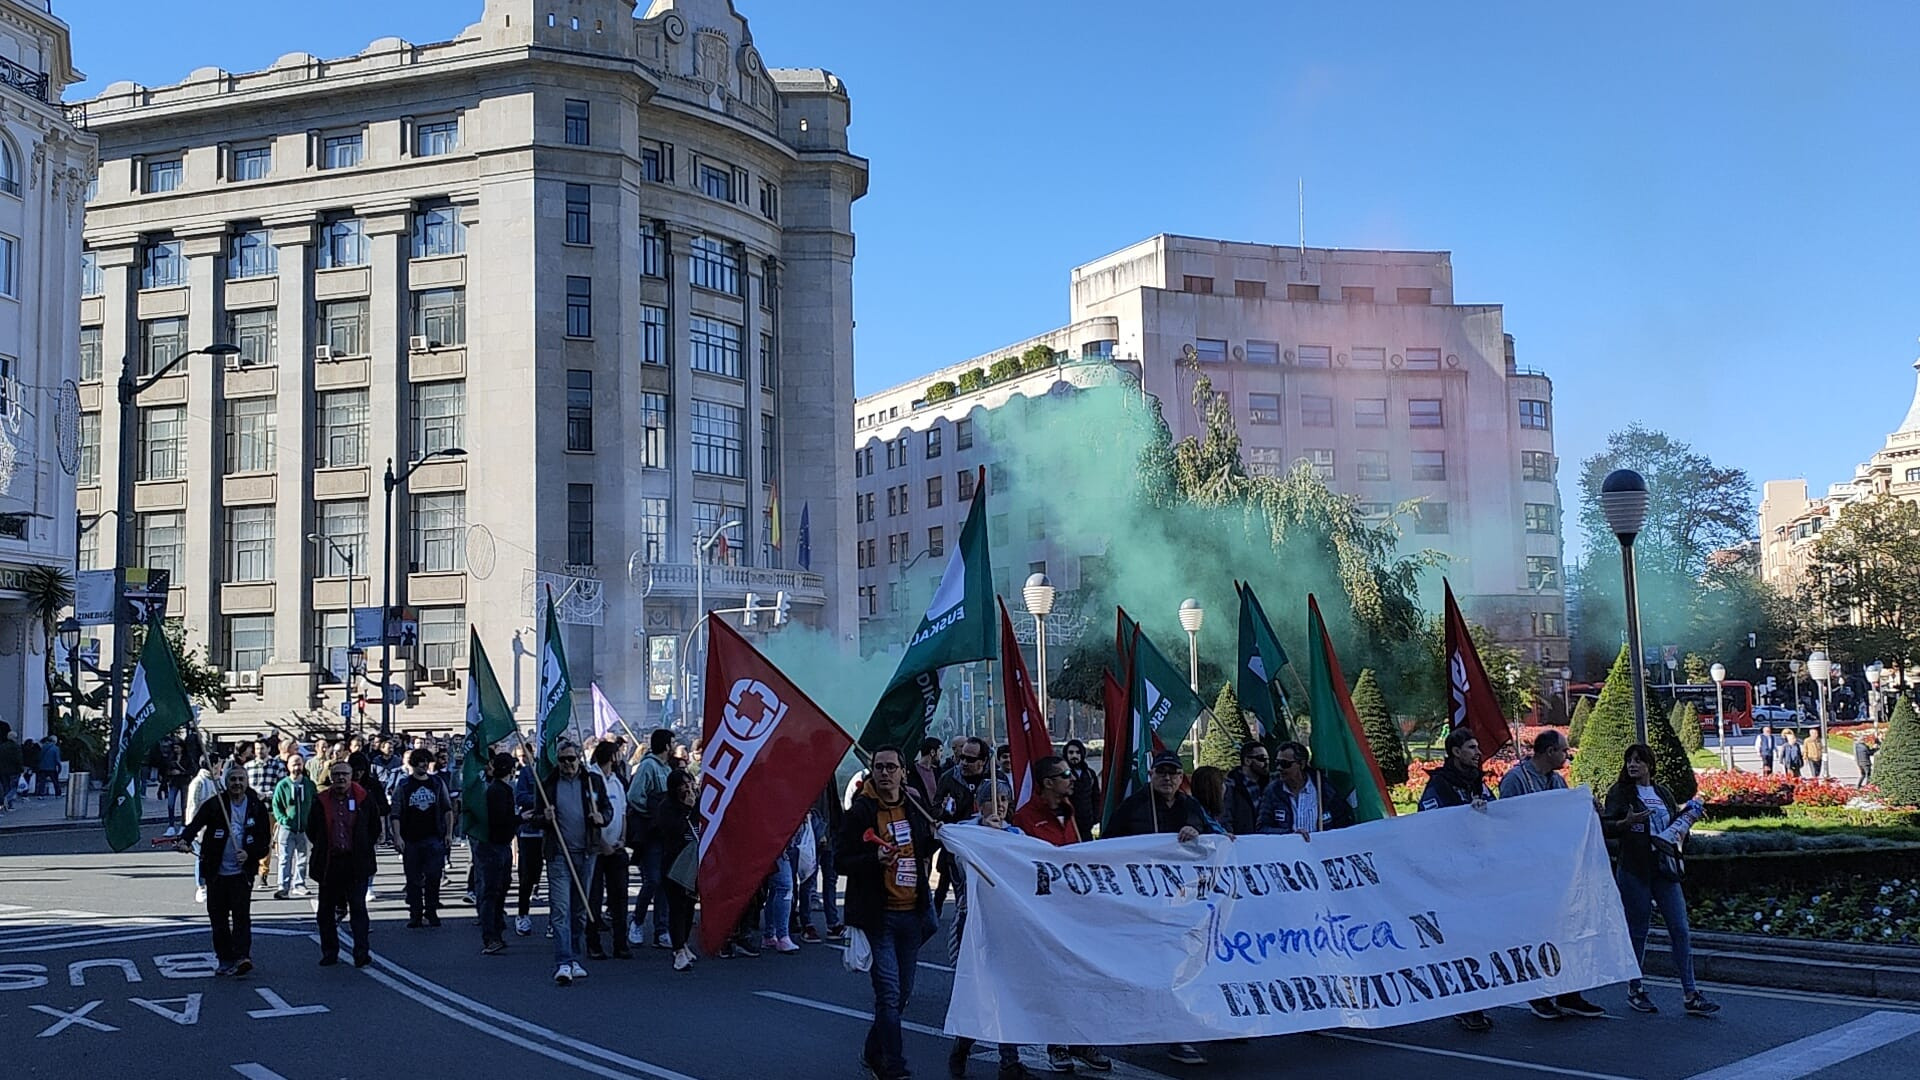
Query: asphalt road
[105,970]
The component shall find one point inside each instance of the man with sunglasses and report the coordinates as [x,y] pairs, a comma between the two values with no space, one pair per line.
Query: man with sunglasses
[576,808]
[1297,801]
[1049,816]
[1246,784]
[953,802]
[883,848]
[342,832]
[236,844]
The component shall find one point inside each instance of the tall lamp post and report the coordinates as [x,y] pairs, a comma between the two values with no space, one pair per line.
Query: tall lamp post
[130,388]
[1719,673]
[699,613]
[1875,672]
[390,482]
[353,646]
[1623,499]
[1039,596]
[1819,669]
[1191,614]
[1793,666]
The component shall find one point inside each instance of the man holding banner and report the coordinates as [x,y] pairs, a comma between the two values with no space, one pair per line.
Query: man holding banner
[884,847]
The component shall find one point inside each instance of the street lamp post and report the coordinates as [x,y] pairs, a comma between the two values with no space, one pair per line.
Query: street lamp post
[1794,667]
[353,645]
[1719,673]
[392,481]
[1623,499]
[1191,614]
[1039,596]
[1819,669]
[130,388]
[699,628]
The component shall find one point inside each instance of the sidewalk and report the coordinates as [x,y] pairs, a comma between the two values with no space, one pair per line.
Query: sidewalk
[49,813]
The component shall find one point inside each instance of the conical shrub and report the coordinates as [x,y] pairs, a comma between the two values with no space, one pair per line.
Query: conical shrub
[1383,735]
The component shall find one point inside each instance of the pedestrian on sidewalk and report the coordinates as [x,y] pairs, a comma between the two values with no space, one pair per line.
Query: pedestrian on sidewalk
[173,775]
[493,856]
[607,895]
[343,832]
[1792,757]
[1768,746]
[292,803]
[1815,749]
[49,768]
[1864,748]
[576,809]
[1541,772]
[236,827]
[1636,811]
[884,848]
[644,798]
[11,766]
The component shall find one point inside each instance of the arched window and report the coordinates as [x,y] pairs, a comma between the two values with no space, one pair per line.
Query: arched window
[9,167]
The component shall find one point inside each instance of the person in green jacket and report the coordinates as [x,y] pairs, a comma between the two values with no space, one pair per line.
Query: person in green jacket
[292,801]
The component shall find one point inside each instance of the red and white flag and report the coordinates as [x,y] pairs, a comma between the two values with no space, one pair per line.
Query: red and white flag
[1470,698]
[1027,737]
[769,750]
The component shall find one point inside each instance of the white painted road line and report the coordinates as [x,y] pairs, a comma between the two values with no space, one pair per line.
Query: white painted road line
[253,1070]
[1486,1059]
[1821,1050]
[1805,997]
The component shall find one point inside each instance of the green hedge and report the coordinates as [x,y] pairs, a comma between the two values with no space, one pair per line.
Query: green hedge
[1712,874]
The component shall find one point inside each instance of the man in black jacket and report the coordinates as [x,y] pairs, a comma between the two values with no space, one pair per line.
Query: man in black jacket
[1161,807]
[953,801]
[884,847]
[342,832]
[1458,782]
[1245,785]
[493,856]
[238,830]
[1086,788]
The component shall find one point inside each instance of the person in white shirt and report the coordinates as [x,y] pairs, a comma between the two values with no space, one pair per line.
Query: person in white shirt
[607,890]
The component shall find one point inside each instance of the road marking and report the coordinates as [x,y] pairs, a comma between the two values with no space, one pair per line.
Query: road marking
[187,1015]
[272,931]
[253,1070]
[278,1006]
[1797,996]
[1487,1059]
[923,963]
[1804,1057]
[68,1019]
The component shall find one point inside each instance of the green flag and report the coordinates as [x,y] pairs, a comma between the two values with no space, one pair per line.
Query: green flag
[1338,745]
[1164,706]
[556,694]
[958,627]
[488,721]
[1261,662]
[156,705]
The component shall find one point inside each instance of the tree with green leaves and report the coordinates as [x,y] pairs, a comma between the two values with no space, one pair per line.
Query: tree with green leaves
[1220,746]
[1896,768]
[1685,721]
[1672,768]
[1861,582]
[1383,735]
[1581,711]
[1608,732]
[941,391]
[1036,357]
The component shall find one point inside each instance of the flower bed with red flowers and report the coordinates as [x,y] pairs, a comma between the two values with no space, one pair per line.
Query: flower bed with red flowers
[1719,787]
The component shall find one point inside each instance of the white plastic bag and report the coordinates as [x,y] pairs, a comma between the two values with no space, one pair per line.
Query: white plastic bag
[809,850]
[859,954]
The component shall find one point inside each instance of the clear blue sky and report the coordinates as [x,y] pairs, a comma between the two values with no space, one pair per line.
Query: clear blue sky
[1698,215]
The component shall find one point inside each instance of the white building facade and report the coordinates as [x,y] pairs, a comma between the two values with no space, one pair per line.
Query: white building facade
[605,254]
[1359,362]
[46,162]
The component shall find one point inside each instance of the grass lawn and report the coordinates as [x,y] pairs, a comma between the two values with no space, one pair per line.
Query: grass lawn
[1707,759]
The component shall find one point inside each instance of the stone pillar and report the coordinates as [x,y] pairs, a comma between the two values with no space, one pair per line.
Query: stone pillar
[389,404]
[292,675]
[119,340]
[205,563]
[680,542]
[752,319]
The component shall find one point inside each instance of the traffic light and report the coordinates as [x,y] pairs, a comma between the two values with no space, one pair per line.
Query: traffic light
[782,604]
[753,600]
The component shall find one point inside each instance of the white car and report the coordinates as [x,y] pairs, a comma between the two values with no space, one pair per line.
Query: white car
[1774,714]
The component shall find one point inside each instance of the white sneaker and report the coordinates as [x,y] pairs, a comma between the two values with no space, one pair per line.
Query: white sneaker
[578,971]
[300,890]
[635,935]
[200,895]
[172,830]
[682,959]
[563,976]
[785,944]
[523,926]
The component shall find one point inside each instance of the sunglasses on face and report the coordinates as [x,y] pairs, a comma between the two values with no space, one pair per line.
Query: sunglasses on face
[973,757]
[1059,776]
[1287,762]
[564,758]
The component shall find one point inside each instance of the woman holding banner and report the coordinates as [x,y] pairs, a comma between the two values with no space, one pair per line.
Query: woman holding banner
[1637,814]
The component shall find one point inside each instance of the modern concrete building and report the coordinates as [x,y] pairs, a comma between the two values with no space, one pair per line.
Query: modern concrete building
[46,162]
[1360,362]
[606,253]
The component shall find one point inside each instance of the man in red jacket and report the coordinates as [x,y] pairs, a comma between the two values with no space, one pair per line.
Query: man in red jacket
[342,831]
[1049,816]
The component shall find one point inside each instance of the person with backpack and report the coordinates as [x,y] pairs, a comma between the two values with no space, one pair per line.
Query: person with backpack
[644,800]
[422,818]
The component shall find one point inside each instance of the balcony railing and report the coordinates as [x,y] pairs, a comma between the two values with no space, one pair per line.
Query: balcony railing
[28,82]
[677,579]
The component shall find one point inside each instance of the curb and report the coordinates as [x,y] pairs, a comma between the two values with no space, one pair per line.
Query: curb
[1870,971]
[65,825]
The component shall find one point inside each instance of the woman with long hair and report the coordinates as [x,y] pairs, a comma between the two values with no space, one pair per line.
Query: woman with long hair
[679,827]
[1636,812]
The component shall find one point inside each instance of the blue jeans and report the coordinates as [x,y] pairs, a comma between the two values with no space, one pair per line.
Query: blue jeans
[567,907]
[423,861]
[646,863]
[778,913]
[896,955]
[1637,896]
[490,869]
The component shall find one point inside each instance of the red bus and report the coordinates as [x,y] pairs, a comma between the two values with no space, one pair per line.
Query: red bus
[1737,694]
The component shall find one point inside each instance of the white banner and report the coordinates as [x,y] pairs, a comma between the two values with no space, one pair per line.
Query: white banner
[1144,939]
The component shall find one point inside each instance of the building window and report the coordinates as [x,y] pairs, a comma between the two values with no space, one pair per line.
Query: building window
[1195,284]
[707,519]
[256,334]
[439,137]
[653,530]
[160,541]
[437,231]
[769,200]
[580,524]
[1540,517]
[963,434]
[653,334]
[579,410]
[1315,356]
[1301,291]
[933,443]
[440,316]
[1430,519]
[769,449]
[250,253]
[331,630]
[1372,464]
[342,151]
[714,346]
[344,523]
[1316,410]
[1424,413]
[1536,465]
[716,431]
[579,214]
[443,638]
[1368,357]
[1423,359]
[343,327]
[1264,460]
[250,543]
[439,417]
[1546,624]
[653,250]
[716,182]
[161,342]
[1913,476]
[1533,414]
[1263,352]
[1370,412]
[9,170]
[769,364]
[89,553]
[92,283]
[250,435]
[1322,462]
[1413,296]
[934,484]
[250,163]
[343,243]
[579,307]
[9,266]
[1356,294]
[89,471]
[1373,511]
[714,265]
[579,122]
[165,266]
[340,428]
[89,354]
[1543,572]
[653,430]
[963,482]
[440,532]
[1263,408]
[164,175]
[1210,351]
[1251,290]
[249,641]
[1429,464]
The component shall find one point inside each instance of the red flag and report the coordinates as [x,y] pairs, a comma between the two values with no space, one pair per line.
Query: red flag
[1116,758]
[1470,698]
[768,751]
[722,551]
[1027,737]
